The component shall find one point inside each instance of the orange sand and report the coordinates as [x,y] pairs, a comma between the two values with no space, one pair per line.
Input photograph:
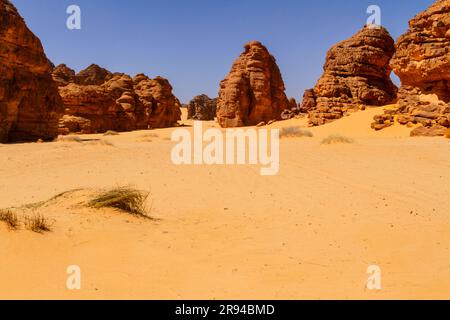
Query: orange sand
[229,233]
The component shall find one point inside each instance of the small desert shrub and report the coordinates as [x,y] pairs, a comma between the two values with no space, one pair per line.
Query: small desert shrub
[295,132]
[336,139]
[123,198]
[148,137]
[111,133]
[37,223]
[69,139]
[10,219]
[100,142]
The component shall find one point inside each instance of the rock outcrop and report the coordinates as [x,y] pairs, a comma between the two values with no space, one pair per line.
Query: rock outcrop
[119,103]
[356,75]
[308,101]
[202,108]
[254,90]
[63,75]
[93,75]
[422,61]
[29,101]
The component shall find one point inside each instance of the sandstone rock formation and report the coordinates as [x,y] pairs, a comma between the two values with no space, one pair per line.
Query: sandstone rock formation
[308,101]
[202,108]
[254,91]
[293,105]
[93,75]
[356,75]
[29,101]
[119,103]
[156,100]
[422,61]
[63,75]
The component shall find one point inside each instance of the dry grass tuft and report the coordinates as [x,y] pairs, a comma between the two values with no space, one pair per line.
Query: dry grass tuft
[126,199]
[10,218]
[77,139]
[295,132]
[336,139]
[69,139]
[100,142]
[111,133]
[148,137]
[38,224]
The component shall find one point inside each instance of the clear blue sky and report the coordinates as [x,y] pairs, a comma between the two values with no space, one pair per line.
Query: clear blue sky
[194,42]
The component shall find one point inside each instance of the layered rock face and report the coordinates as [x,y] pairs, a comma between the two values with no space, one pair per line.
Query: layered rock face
[253,92]
[356,75]
[29,101]
[422,61]
[202,108]
[118,103]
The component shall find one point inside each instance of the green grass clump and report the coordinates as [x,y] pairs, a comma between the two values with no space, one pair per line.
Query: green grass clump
[123,198]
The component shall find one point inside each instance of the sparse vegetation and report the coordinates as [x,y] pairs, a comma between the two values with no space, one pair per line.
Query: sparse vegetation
[37,223]
[126,199]
[111,133]
[100,142]
[336,139]
[69,139]
[295,132]
[77,139]
[148,137]
[10,218]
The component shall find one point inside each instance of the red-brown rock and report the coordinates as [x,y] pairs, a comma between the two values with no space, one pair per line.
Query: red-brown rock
[422,61]
[63,75]
[157,102]
[356,75]
[93,75]
[29,101]
[308,101]
[120,103]
[254,91]
[202,108]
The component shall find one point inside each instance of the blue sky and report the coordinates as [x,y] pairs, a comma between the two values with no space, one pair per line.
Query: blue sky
[194,42]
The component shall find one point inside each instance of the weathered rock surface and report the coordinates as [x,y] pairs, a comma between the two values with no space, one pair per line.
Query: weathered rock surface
[422,61]
[202,108]
[293,106]
[308,101]
[356,75]
[156,100]
[63,75]
[119,103]
[254,90]
[93,75]
[29,101]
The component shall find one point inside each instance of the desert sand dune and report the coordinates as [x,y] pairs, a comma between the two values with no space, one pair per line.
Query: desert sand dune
[227,232]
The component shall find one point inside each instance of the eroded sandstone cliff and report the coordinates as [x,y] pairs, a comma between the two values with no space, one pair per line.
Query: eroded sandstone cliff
[422,61]
[29,101]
